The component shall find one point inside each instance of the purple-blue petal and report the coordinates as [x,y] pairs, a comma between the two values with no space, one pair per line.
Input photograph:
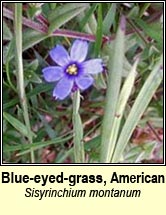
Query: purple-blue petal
[63,88]
[93,66]
[60,55]
[52,73]
[79,50]
[84,82]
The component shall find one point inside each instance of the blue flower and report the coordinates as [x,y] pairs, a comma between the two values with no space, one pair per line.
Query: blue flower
[72,70]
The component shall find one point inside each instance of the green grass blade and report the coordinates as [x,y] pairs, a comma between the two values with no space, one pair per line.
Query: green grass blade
[37,90]
[31,38]
[78,130]
[144,9]
[99,31]
[89,19]
[87,16]
[52,6]
[8,55]
[7,35]
[140,104]
[20,72]
[115,68]
[154,31]
[25,148]
[64,13]
[92,23]
[109,19]
[19,126]
[122,101]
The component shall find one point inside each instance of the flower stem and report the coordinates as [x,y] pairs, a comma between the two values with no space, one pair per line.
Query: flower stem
[79,154]
[20,78]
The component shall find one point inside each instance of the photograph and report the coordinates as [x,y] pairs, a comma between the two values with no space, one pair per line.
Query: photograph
[83,83]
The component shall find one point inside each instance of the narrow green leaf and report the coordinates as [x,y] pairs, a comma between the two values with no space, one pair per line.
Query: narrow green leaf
[20,72]
[7,35]
[19,126]
[78,130]
[47,127]
[115,68]
[137,153]
[91,24]
[63,156]
[122,101]
[140,104]
[63,9]
[25,148]
[64,13]
[109,19]
[99,31]
[144,9]
[89,146]
[8,51]
[87,15]
[52,5]
[153,31]
[134,12]
[93,143]
[31,38]
[37,90]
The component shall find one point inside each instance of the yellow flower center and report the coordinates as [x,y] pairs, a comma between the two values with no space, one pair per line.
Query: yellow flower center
[72,69]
